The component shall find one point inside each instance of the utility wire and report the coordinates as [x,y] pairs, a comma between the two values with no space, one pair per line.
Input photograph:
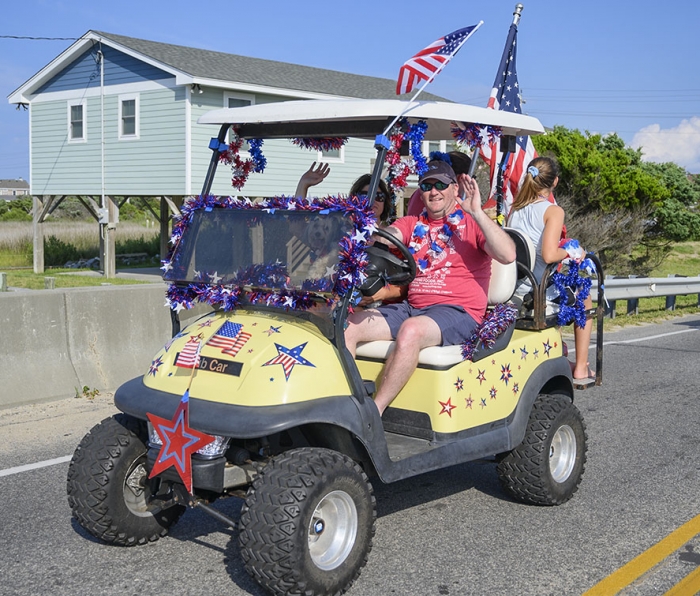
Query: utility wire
[40,38]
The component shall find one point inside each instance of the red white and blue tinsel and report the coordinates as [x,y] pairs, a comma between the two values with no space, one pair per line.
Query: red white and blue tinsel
[400,169]
[323,144]
[496,322]
[474,135]
[230,293]
[582,289]
[241,168]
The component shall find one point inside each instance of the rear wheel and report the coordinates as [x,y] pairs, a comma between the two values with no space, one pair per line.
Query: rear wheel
[108,486]
[307,523]
[546,468]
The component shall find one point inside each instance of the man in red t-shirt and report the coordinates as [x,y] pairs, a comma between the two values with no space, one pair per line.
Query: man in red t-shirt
[453,242]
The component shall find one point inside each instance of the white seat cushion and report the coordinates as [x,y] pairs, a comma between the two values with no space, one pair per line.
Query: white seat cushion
[432,356]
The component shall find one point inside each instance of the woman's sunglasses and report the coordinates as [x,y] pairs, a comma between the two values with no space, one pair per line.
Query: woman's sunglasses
[380,197]
[428,186]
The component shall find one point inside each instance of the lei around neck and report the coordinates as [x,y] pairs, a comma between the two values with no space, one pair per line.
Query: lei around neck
[421,235]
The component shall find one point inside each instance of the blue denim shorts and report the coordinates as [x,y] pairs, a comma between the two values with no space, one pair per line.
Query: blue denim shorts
[455,323]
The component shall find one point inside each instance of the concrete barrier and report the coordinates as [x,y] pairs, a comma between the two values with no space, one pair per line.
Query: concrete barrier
[55,342]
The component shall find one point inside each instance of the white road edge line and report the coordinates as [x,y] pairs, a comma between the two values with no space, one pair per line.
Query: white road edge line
[37,465]
[633,341]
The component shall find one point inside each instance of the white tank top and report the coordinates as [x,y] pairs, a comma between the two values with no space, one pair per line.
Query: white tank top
[530,221]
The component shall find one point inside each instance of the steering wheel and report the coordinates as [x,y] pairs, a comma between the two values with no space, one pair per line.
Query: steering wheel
[385,267]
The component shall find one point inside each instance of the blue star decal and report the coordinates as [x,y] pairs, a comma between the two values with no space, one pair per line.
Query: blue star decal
[547,348]
[155,364]
[523,353]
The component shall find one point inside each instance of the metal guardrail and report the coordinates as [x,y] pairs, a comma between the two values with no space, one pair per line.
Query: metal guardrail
[648,287]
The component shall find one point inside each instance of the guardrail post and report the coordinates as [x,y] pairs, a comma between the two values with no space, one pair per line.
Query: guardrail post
[3,283]
[633,303]
[671,300]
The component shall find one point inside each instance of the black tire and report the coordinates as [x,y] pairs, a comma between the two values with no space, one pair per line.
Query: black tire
[108,487]
[546,468]
[307,523]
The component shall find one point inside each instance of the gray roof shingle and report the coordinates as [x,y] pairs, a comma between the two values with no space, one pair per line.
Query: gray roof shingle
[269,73]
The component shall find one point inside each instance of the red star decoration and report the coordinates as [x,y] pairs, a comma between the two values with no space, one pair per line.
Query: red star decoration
[481,377]
[469,401]
[179,442]
[447,407]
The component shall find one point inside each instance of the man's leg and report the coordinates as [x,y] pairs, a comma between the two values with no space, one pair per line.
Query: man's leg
[365,325]
[415,334]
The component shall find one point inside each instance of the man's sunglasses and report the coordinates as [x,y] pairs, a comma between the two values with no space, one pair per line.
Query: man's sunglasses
[428,186]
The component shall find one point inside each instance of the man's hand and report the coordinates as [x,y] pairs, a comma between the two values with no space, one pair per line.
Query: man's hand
[469,198]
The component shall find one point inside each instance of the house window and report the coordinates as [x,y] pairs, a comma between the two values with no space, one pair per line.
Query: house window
[430,146]
[77,125]
[239,100]
[332,155]
[128,116]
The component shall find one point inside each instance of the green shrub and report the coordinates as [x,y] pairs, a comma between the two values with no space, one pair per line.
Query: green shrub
[149,245]
[57,252]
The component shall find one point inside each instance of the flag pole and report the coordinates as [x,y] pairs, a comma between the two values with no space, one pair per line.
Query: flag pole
[430,80]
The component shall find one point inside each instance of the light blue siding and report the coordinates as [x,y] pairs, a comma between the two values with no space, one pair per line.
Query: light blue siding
[152,164]
[119,68]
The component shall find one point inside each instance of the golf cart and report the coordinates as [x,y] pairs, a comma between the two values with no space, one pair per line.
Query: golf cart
[259,398]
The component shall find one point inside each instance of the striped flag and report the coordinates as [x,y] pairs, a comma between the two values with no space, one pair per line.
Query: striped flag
[189,357]
[230,338]
[431,60]
[505,95]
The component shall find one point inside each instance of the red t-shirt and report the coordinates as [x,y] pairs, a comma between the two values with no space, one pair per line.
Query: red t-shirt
[459,274]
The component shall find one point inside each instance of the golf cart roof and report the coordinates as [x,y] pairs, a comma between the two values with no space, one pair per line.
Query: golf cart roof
[362,118]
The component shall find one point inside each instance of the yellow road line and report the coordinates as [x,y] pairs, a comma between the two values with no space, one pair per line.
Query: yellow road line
[688,586]
[638,566]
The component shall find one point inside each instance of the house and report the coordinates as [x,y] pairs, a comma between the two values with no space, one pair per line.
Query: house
[10,189]
[114,117]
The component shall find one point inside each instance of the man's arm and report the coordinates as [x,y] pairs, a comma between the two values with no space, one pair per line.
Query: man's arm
[498,244]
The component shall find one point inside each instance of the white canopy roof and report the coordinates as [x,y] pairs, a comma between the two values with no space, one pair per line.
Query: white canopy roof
[363,117]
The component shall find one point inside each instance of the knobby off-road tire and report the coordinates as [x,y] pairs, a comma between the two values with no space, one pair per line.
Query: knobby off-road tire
[108,487]
[546,468]
[307,523]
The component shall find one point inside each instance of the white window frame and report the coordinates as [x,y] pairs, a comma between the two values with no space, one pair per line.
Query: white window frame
[426,148]
[137,116]
[245,97]
[83,103]
[320,157]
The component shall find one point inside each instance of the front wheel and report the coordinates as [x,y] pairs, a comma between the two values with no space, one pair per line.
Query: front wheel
[546,468]
[307,523]
[108,487]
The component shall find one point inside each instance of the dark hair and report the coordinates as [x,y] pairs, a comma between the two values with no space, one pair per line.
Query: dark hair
[459,161]
[541,173]
[363,181]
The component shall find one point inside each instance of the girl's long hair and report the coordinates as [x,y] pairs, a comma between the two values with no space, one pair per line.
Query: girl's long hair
[540,175]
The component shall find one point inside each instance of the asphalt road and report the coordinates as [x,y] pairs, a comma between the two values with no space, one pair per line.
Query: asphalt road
[451,532]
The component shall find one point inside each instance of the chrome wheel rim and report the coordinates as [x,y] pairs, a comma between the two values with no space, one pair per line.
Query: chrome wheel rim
[134,490]
[562,453]
[332,530]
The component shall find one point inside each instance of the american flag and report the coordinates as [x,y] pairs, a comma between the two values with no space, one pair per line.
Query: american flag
[189,357]
[229,338]
[505,95]
[429,61]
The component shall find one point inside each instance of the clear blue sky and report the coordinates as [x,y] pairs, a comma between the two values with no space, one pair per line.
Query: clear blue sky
[602,65]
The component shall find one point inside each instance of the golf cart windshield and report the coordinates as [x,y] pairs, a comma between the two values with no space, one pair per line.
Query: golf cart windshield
[262,249]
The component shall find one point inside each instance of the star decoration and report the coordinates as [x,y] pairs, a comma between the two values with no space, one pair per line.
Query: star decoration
[483,403]
[215,277]
[272,330]
[206,323]
[459,384]
[536,353]
[178,307]
[481,377]
[330,271]
[492,392]
[547,348]
[523,353]
[516,388]
[506,375]
[179,442]
[166,267]
[289,358]
[447,407]
[155,365]
[359,236]
[469,401]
